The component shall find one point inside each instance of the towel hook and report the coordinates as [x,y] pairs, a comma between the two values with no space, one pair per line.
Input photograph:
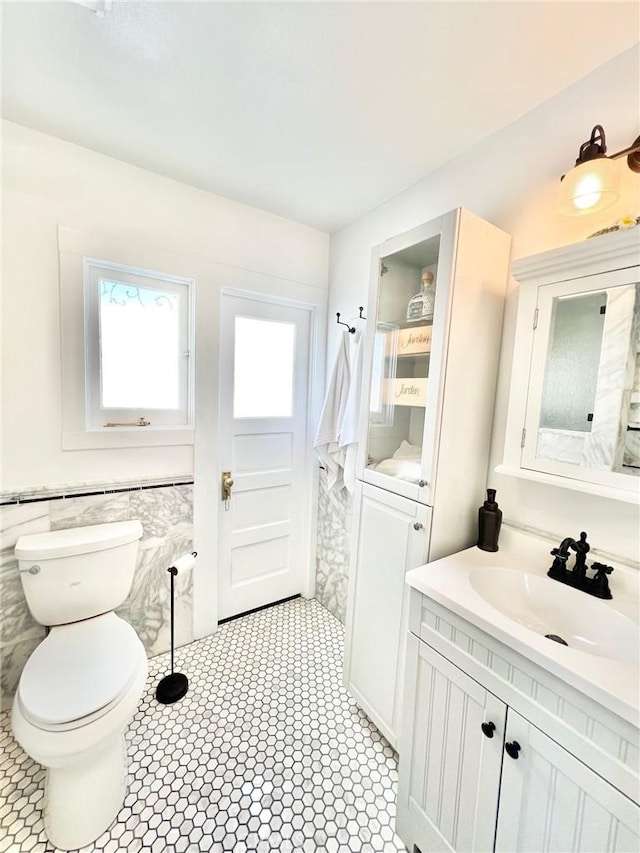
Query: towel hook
[361,309]
[351,329]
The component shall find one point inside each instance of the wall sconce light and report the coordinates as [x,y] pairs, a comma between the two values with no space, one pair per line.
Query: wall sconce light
[594,182]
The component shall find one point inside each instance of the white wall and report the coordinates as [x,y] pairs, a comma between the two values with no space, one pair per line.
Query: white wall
[47,182]
[511,180]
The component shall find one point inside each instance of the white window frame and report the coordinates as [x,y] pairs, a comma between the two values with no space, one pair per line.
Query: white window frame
[76,247]
[97,417]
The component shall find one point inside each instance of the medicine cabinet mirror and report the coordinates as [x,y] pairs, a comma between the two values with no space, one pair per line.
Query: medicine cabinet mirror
[574,416]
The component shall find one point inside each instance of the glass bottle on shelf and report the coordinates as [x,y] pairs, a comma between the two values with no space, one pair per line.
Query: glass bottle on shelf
[420,307]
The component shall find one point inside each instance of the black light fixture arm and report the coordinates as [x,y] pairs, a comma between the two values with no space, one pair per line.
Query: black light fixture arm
[596,146]
[632,153]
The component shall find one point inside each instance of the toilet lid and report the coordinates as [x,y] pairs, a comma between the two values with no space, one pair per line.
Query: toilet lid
[78,669]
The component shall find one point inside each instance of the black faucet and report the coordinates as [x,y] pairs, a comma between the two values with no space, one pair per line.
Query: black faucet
[558,570]
[598,585]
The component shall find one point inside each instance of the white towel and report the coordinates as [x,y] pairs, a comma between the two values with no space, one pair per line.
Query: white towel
[337,431]
[351,413]
[328,433]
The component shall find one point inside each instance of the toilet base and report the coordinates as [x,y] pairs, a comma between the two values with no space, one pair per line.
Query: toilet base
[82,800]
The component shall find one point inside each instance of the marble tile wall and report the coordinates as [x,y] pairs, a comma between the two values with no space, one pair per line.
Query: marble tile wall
[603,447]
[166,514]
[332,548]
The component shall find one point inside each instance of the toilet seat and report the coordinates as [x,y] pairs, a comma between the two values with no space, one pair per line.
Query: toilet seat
[80,672]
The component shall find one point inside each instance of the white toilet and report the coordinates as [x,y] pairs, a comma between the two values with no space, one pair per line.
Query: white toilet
[80,688]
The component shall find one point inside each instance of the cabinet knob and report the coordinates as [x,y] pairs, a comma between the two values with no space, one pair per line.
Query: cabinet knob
[512,748]
[418,526]
[422,483]
[488,729]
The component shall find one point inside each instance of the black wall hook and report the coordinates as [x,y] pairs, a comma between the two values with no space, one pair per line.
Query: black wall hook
[351,329]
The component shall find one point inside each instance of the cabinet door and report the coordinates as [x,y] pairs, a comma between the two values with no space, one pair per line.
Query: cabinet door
[584,341]
[575,331]
[406,341]
[449,773]
[552,803]
[391,537]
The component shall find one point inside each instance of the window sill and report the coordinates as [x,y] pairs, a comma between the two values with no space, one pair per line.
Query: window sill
[117,438]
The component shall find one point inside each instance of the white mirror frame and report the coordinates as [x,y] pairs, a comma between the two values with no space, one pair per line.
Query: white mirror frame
[617,254]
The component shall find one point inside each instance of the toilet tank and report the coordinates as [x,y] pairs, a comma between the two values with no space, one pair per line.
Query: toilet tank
[74,574]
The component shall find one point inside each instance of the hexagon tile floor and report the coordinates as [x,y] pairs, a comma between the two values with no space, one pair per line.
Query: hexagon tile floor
[266,752]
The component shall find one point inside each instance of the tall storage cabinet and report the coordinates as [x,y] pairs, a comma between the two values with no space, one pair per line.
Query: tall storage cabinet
[431,356]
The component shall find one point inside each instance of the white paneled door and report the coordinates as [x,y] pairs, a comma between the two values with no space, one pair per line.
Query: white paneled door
[264,526]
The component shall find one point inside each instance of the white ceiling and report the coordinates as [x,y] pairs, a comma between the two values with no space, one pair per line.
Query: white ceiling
[314,111]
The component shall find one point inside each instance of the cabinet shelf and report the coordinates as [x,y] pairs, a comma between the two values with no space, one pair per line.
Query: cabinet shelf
[383,325]
[414,324]
[414,340]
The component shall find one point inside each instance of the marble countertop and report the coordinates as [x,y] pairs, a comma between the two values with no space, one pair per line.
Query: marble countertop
[612,683]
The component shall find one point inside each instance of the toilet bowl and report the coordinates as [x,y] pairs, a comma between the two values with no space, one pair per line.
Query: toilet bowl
[81,686]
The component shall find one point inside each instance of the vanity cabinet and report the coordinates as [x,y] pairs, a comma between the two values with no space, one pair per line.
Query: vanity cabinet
[574,406]
[518,767]
[434,324]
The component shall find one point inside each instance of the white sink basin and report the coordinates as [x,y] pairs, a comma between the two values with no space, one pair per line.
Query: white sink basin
[545,606]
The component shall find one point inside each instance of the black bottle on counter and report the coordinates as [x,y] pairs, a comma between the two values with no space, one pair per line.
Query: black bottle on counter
[489,521]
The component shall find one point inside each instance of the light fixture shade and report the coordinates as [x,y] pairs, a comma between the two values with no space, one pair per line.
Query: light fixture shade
[589,187]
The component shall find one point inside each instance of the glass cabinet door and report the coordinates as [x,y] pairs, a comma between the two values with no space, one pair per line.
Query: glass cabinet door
[401,356]
[582,412]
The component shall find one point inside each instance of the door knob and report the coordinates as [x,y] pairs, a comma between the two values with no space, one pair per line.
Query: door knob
[512,748]
[418,526]
[227,483]
[488,729]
